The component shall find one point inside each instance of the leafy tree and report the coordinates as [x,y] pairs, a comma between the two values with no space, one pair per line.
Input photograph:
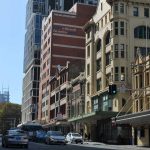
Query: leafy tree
[10,115]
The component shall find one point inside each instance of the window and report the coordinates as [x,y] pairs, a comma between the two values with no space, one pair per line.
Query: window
[140,81]
[141,104]
[122,51]
[147,78]
[98,64]
[146,12]
[88,88]
[98,84]
[88,51]
[88,69]
[108,59]
[136,105]
[106,19]
[136,82]
[98,46]
[116,7]
[122,28]
[101,6]
[108,79]
[116,73]
[88,34]
[121,8]
[135,11]
[123,102]
[116,28]
[101,23]
[122,73]
[143,50]
[116,51]
[140,32]
[108,40]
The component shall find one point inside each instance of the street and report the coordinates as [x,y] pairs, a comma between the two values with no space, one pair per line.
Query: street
[40,146]
[85,146]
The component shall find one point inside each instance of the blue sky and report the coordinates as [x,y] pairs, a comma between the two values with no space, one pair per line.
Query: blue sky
[12,31]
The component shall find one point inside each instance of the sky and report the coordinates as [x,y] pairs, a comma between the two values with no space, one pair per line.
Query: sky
[12,32]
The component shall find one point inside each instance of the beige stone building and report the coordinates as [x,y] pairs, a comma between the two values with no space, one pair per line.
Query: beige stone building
[140,116]
[113,35]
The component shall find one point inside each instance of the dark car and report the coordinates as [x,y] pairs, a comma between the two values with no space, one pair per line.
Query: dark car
[40,136]
[14,138]
[55,137]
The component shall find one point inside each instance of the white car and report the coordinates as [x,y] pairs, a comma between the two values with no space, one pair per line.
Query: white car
[74,138]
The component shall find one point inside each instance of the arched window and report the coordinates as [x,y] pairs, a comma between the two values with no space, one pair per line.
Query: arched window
[98,46]
[140,32]
[107,40]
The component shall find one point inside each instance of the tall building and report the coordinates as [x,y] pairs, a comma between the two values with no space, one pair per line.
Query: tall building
[35,11]
[63,39]
[113,35]
[67,4]
[4,95]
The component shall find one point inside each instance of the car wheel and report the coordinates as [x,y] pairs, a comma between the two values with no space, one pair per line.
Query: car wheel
[3,144]
[48,142]
[26,146]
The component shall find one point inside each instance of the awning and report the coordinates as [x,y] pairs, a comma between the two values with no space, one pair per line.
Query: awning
[139,118]
[97,115]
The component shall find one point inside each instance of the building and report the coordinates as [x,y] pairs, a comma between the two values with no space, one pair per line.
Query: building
[63,39]
[140,116]
[112,37]
[55,110]
[67,4]
[76,102]
[4,95]
[35,11]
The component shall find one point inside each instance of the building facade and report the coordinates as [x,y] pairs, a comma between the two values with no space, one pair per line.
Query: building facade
[76,102]
[63,39]
[35,11]
[139,118]
[67,4]
[4,95]
[113,35]
[55,110]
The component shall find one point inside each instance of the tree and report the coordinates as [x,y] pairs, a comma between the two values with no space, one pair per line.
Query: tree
[10,115]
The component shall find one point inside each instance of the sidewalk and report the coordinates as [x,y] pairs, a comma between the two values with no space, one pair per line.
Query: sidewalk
[116,147]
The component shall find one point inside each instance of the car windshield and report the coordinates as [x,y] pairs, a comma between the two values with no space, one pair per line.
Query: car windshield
[56,133]
[16,132]
[76,134]
[41,133]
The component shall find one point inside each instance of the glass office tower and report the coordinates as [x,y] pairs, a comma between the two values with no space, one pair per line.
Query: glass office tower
[35,11]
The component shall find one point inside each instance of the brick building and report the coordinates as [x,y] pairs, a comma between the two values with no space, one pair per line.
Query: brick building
[63,39]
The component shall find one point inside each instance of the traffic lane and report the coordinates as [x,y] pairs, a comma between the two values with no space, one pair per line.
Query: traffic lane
[40,146]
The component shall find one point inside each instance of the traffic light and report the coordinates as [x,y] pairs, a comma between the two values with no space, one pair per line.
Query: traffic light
[112,89]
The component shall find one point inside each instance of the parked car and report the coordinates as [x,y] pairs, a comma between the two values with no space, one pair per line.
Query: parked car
[74,138]
[15,137]
[55,137]
[40,136]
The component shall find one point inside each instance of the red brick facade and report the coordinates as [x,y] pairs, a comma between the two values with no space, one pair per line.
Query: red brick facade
[63,39]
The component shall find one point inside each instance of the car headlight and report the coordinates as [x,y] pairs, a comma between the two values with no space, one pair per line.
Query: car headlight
[52,139]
